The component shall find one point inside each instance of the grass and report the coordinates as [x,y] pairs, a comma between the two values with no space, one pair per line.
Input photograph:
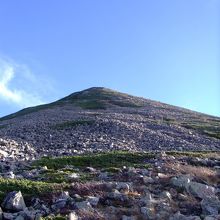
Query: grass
[101,160]
[72,124]
[52,176]
[200,154]
[112,160]
[200,173]
[92,104]
[204,128]
[3,126]
[27,187]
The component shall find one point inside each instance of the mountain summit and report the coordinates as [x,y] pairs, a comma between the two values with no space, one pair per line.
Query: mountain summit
[100,119]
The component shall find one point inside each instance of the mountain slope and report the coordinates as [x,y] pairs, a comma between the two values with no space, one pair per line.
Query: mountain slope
[100,119]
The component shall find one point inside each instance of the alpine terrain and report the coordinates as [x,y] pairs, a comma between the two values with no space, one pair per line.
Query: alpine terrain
[102,154]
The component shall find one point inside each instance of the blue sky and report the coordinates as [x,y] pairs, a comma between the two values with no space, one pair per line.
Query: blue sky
[163,50]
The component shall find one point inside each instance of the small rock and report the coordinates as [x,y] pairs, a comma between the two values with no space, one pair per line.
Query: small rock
[148,180]
[14,201]
[10,175]
[73,176]
[59,204]
[1,213]
[212,217]
[73,216]
[166,195]
[210,206]
[9,216]
[181,181]
[85,205]
[125,217]
[122,186]
[90,169]
[93,200]
[149,212]
[179,216]
[103,176]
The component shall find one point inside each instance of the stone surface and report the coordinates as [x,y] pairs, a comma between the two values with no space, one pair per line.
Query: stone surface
[14,201]
[210,205]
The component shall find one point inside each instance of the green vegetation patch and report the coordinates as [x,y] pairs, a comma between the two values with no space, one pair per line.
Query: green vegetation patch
[92,104]
[3,126]
[102,160]
[72,124]
[201,154]
[204,128]
[27,187]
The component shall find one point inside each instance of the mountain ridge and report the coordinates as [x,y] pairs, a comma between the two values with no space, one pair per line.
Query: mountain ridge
[99,119]
[103,91]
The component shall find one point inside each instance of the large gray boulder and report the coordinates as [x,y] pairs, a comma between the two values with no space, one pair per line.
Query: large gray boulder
[210,206]
[201,190]
[14,202]
[181,181]
[85,205]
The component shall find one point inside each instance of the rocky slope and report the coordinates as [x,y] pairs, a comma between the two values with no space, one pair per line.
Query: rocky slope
[85,176]
[100,119]
[115,186]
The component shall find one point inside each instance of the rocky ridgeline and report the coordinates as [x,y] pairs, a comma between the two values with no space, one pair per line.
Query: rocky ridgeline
[171,188]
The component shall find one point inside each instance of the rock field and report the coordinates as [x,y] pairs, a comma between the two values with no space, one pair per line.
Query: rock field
[164,185]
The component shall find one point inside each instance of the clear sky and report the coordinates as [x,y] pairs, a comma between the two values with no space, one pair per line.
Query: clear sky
[163,50]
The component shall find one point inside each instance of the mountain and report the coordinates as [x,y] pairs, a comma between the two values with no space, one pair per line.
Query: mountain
[99,119]
[135,162]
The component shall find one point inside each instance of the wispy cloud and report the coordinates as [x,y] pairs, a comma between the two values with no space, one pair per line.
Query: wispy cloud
[18,85]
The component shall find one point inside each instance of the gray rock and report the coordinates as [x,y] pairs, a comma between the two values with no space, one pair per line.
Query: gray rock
[125,217]
[73,176]
[212,217]
[201,190]
[103,176]
[181,181]
[14,202]
[9,216]
[10,175]
[210,206]
[59,204]
[148,180]
[85,205]
[148,212]
[1,213]
[73,216]
[179,216]
[93,200]
[122,186]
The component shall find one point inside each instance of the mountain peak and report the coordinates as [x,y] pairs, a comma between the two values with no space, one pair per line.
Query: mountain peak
[101,98]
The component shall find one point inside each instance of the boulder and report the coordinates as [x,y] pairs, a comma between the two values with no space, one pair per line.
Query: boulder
[210,206]
[14,202]
[9,216]
[201,190]
[181,181]
[93,200]
[179,216]
[73,216]
[85,205]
